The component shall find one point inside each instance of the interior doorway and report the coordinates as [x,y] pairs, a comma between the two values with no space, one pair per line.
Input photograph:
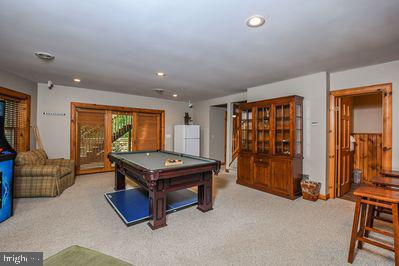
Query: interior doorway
[360,137]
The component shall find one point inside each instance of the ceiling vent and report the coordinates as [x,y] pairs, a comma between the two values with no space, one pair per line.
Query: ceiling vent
[45,56]
[159,91]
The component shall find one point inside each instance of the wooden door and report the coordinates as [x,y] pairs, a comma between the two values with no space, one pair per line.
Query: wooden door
[281,175]
[245,169]
[91,139]
[262,172]
[344,108]
[147,132]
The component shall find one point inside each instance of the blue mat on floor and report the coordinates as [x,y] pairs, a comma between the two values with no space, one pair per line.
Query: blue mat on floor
[132,205]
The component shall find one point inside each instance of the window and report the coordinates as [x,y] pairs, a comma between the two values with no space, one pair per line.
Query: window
[17,113]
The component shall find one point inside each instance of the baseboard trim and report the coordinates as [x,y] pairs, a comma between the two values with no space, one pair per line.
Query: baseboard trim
[324,197]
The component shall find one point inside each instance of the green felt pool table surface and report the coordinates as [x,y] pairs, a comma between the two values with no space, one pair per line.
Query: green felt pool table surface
[155,160]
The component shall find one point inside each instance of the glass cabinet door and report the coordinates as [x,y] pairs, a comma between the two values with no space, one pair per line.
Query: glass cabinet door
[298,129]
[282,130]
[246,130]
[263,130]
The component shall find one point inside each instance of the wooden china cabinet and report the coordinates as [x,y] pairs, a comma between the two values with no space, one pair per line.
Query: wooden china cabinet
[270,155]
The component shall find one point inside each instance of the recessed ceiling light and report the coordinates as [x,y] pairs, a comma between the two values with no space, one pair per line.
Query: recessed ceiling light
[175,95]
[160,74]
[255,21]
[76,80]
[45,56]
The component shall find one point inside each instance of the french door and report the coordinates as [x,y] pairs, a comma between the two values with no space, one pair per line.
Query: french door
[344,107]
[98,130]
[91,139]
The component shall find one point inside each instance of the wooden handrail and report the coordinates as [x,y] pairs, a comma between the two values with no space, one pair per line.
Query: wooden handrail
[235,146]
[234,155]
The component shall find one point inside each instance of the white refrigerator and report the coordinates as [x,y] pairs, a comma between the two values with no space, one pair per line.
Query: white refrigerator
[187,139]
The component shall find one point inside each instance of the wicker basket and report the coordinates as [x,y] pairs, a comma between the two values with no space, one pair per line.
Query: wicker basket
[310,190]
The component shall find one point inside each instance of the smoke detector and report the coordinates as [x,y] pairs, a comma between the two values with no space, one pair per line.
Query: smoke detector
[45,56]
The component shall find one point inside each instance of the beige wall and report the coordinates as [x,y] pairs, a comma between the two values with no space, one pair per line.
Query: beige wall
[370,75]
[367,114]
[55,130]
[16,83]
[314,90]
[216,133]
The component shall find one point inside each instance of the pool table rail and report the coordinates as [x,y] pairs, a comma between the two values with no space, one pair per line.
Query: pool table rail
[123,163]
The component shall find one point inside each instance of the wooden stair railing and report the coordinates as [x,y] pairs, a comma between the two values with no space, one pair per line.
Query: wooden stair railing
[121,131]
[234,156]
[235,147]
[93,144]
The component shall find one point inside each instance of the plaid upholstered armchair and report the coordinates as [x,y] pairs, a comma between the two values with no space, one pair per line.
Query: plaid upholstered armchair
[38,176]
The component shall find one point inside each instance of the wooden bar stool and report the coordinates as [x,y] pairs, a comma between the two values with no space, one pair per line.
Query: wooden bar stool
[370,197]
[390,174]
[385,182]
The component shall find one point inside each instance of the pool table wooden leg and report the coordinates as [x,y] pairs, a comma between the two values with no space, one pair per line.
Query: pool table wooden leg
[205,193]
[157,207]
[119,180]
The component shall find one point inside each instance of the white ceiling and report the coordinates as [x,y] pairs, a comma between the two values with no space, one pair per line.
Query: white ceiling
[204,46]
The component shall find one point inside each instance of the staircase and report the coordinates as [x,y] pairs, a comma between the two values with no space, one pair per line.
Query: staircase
[92,141]
[236,148]
[121,132]
[233,166]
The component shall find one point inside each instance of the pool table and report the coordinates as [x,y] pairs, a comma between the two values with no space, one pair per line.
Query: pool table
[148,169]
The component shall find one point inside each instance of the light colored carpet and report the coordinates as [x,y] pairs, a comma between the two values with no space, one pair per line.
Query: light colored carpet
[246,227]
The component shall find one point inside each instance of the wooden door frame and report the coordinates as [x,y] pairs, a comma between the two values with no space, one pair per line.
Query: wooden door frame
[26,99]
[106,108]
[386,91]
[225,138]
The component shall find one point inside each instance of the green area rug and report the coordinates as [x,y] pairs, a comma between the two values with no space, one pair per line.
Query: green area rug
[76,255]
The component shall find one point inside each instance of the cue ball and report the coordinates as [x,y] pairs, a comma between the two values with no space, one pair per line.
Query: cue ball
[148,154]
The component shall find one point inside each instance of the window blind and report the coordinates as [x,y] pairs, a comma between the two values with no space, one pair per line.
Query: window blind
[13,121]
